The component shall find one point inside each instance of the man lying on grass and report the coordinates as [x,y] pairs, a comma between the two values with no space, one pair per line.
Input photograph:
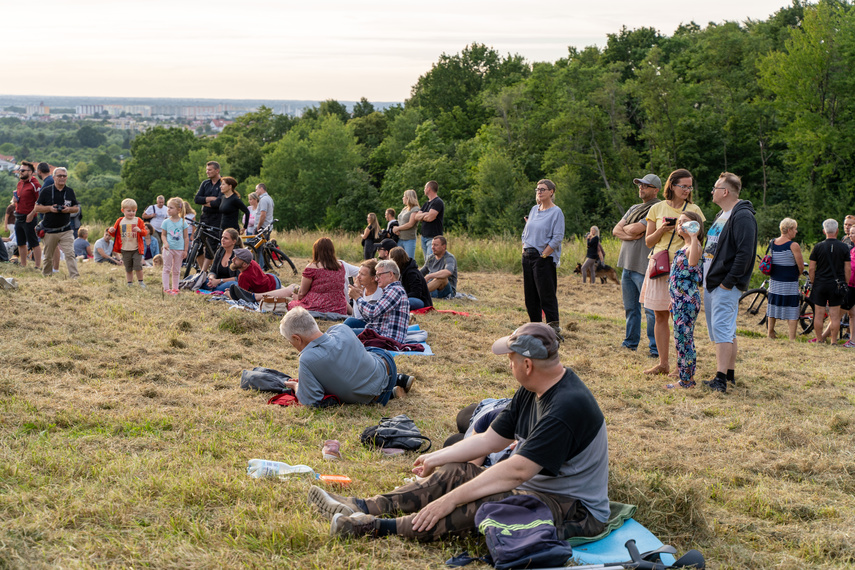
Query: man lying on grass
[561,458]
[336,362]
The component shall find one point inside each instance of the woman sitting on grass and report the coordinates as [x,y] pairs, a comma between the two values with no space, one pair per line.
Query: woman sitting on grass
[687,273]
[366,280]
[412,279]
[82,248]
[322,285]
[222,275]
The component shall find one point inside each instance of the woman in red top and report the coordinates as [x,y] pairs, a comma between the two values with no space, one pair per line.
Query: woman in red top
[322,285]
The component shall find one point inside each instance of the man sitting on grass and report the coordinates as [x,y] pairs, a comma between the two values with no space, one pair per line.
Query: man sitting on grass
[335,362]
[440,270]
[561,458]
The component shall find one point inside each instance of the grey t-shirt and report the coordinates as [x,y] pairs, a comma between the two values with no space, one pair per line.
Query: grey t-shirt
[447,261]
[265,204]
[107,246]
[403,218]
[634,254]
[337,363]
[545,228]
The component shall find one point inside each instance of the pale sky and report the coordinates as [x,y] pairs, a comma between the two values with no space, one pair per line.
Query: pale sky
[280,49]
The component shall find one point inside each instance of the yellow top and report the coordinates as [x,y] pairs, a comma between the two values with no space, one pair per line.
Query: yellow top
[657,215]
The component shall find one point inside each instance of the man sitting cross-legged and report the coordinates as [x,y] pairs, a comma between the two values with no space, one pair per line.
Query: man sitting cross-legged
[335,362]
[561,458]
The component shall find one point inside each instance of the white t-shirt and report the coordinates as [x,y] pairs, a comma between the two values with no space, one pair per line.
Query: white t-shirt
[373,298]
[159,215]
[265,204]
[712,242]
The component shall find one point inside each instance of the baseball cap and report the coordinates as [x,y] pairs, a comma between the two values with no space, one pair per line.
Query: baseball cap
[649,179]
[243,254]
[532,340]
[388,244]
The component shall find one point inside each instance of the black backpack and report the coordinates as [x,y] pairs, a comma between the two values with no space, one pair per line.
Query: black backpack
[399,432]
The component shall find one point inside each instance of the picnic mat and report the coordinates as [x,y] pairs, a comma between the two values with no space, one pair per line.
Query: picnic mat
[427,351]
[611,548]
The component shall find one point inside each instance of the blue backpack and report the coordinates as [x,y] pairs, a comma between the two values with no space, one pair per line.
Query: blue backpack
[520,533]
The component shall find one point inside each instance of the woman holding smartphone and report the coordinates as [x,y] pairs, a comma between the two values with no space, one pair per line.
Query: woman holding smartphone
[661,222]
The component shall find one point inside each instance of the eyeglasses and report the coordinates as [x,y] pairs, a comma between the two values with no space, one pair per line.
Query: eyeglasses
[61,176]
[541,189]
[26,170]
[718,188]
[644,186]
[379,273]
[687,188]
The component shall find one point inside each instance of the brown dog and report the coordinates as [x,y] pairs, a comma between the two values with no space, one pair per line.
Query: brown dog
[604,273]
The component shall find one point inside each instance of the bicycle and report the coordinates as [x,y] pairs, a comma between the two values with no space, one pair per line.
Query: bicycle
[269,249]
[753,303]
[201,232]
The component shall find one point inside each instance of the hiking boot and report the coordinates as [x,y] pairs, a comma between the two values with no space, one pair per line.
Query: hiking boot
[355,525]
[398,393]
[332,450]
[716,385]
[557,328]
[331,504]
[405,381]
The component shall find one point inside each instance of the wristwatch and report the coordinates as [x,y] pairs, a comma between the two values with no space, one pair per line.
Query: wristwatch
[544,256]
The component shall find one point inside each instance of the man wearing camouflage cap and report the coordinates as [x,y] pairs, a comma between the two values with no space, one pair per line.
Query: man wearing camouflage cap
[561,457]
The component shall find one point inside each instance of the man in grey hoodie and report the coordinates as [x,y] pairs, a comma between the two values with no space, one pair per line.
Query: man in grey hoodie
[728,263]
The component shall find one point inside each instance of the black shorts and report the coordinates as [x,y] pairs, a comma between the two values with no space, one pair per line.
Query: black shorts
[849,301]
[25,232]
[825,293]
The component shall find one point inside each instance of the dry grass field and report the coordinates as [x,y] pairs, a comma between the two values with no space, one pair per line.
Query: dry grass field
[124,435]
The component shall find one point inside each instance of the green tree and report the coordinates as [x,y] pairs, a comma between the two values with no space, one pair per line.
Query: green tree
[362,108]
[156,164]
[90,137]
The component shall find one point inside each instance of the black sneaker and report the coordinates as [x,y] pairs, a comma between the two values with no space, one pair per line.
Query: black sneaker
[357,524]
[405,381]
[716,385]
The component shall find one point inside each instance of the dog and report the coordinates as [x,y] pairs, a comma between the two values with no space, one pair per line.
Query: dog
[605,273]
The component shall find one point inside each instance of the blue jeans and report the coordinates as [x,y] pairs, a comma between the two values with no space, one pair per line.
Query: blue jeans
[426,249]
[224,285]
[630,284]
[446,291]
[416,303]
[354,323]
[386,394]
[409,246]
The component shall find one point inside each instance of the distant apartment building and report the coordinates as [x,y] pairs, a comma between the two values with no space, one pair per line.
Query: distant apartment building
[7,162]
[88,110]
[36,110]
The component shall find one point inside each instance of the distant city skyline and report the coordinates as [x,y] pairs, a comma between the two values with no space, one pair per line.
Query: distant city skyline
[257,49]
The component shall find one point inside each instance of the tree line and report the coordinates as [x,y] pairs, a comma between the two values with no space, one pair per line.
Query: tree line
[768,100]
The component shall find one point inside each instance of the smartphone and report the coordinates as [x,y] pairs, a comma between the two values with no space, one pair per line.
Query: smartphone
[670,221]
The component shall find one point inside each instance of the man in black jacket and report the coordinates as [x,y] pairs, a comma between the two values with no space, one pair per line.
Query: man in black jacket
[728,262]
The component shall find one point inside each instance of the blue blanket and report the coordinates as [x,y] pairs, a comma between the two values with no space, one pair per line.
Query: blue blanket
[611,548]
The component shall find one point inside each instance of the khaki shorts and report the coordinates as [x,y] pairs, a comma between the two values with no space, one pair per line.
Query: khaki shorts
[132,260]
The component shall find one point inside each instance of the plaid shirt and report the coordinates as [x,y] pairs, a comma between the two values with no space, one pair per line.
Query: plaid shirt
[390,316]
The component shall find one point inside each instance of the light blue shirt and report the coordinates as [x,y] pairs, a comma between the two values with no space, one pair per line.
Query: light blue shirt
[545,228]
[337,363]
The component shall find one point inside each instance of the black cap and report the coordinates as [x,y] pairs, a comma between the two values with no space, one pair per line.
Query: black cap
[388,244]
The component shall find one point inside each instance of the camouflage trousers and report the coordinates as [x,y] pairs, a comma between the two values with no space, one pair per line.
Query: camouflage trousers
[570,516]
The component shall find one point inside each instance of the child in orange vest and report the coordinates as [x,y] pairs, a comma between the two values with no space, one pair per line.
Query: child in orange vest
[129,232]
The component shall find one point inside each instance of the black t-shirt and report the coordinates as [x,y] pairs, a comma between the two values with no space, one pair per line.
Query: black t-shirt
[593,249]
[51,196]
[210,216]
[230,209]
[830,255]
[217,268]
[414,283]
[434,228]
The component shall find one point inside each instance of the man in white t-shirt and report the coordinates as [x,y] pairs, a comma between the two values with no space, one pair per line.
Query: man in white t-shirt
[264,217]
[155,215]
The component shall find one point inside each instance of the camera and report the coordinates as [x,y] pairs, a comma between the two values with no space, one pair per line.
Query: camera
[60,207]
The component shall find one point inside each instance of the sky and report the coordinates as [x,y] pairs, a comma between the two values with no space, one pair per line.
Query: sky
[280,49]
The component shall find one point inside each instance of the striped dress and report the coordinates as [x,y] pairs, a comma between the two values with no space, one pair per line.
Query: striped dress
[783,284]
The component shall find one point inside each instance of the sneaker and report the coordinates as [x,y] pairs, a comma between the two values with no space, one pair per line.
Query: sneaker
[653,354]
[142,284]
[398,393]
[332,450]
[716,385]
[405,381]
[331,504]
[130,284]
[355,525]
[632,348]
[850,344]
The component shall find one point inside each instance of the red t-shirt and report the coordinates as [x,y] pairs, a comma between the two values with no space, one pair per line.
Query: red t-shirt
[254,280]
[28,193]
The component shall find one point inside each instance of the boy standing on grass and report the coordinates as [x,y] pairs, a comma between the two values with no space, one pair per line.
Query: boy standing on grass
[129,232]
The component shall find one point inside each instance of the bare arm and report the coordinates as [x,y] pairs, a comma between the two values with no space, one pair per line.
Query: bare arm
[410,223]
[797,255]
[652,235]
[430,215]
[812,270]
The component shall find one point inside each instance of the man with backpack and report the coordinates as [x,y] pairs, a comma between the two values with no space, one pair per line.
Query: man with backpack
[561,458]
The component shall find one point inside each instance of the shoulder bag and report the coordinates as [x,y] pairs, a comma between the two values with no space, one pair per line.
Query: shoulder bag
[766,262]
[662,260]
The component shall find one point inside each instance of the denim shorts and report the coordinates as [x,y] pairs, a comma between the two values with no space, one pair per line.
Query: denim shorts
[721,306]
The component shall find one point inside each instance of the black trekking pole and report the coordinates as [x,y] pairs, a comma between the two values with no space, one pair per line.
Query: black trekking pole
[646,561]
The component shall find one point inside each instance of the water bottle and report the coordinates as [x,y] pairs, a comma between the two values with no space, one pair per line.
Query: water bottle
[691,227]
[258,468]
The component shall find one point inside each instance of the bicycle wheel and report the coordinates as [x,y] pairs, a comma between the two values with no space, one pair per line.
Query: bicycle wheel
[191,258]
[806,310]
[275,257]
[752,309]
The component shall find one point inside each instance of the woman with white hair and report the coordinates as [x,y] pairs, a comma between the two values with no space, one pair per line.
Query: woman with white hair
[787,263]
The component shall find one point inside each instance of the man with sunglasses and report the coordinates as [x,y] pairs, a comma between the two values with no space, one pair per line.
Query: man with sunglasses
[27,192]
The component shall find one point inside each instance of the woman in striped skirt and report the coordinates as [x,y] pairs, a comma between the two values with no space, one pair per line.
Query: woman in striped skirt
[787,263]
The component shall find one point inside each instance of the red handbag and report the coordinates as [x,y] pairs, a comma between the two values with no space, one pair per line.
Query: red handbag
[662,260]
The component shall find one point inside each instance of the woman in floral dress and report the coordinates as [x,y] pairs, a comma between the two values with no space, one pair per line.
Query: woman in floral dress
[684,286]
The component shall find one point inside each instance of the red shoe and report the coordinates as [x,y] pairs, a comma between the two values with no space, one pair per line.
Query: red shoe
[331,450]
